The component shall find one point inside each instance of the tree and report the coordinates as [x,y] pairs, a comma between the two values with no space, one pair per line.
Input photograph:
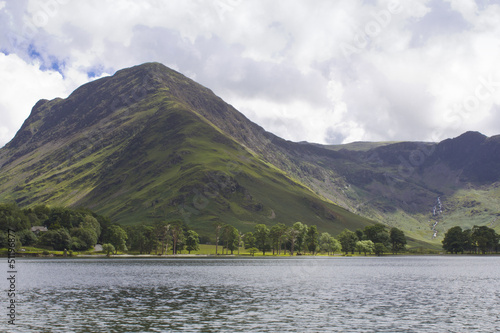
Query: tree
[253,250]
[87,237]
[108,249]
[324,242]
[360,234]
[218,226]
[261,237]
[27,237]
[312,239]
[232,238]
[398,240]
[301,237]
[377,234]
[365,246]
[293,232]
[348,239]
[162,235]
[454,240]
[296,236]
[379,249]
[118,237]
[59,239]
[192,241]
[276,234]
[485,239]
[249,240]
[177,236]
[335,245]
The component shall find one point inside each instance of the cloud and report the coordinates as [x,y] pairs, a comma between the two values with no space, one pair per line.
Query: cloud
[19,96]
[330,72]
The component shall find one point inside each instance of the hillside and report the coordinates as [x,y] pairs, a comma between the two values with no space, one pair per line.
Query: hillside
[149,144]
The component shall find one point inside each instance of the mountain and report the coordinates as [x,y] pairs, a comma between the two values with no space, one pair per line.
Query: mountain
[149,143]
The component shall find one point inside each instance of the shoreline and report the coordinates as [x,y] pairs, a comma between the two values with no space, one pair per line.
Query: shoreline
[213,256]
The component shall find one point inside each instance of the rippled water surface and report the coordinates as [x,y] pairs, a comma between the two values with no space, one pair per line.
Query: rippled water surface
[388,294]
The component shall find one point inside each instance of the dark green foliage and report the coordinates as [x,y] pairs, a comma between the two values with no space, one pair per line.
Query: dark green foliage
[117,237]
[312,240]
[142,238]
[454,240]
[262,237]
[377,233]
[231,238]
[480,239]
[485,239]
[277,234]
[348,241]
[13,218]
[192,241]
[84,225]
[249,240]
[398,240]
[379,249]
[59,239]
[26,237]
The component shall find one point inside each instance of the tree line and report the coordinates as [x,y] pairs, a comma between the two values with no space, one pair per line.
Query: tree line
[81,229]
[479,239]
[300,239]
[67,229]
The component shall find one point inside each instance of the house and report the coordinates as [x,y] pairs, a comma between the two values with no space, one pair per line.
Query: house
[38,229]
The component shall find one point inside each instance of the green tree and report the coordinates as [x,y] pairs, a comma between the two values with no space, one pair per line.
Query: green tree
[377,233]
[27,237]
[232,238]
[59,239]
[379,249]
[324,242]
[348,239]
[261,237]
[192,241]
[249,240]
[454,240]
[276,234]
[301,245]
[365,246]
[293,233]
[253,250]
[218,226]
[485,239]
[398,240]
[108,248]
[312,239]
[177,233]
[87,238]
[335,245]
[118,237]
[297,236]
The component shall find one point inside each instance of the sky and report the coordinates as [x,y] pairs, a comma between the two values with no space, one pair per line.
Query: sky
[325,71]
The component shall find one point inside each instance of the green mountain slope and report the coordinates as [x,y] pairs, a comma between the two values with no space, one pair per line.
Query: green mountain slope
[149,144]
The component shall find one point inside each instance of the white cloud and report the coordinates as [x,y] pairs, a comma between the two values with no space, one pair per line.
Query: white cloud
[22,85]
[274,60]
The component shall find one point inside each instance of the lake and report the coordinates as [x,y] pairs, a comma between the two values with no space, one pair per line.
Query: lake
[344,294]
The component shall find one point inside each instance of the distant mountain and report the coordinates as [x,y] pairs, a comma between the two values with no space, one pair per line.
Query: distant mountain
[149,144]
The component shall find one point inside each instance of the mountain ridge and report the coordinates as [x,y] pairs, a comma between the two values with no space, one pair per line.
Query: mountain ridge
[153,120]
[150,152]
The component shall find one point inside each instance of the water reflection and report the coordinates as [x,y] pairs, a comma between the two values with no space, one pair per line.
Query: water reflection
[414,294]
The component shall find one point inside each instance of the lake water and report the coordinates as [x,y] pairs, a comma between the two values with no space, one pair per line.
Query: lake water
[386,294]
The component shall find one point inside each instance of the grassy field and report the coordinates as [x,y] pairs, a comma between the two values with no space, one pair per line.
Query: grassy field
[209,250]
